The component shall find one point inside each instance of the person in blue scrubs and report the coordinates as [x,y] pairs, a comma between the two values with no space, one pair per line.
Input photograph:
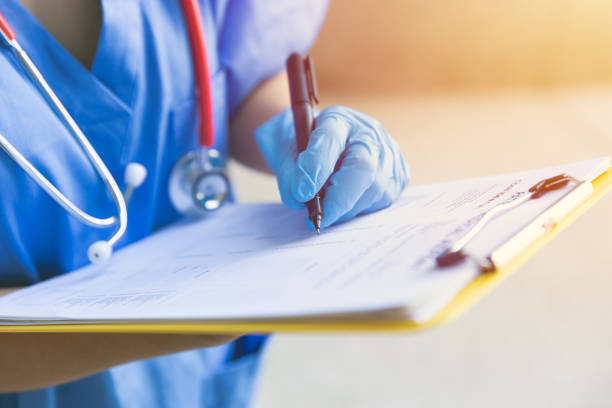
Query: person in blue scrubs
[136,102]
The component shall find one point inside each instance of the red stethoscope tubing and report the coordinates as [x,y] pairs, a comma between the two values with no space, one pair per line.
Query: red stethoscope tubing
[6,28]
[195,30]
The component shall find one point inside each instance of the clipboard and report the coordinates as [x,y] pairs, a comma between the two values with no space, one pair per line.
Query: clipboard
[467,297]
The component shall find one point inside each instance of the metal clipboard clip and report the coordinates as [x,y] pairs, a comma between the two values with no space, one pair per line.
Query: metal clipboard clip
[457,254]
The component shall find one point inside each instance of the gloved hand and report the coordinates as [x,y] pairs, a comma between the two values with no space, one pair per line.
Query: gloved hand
[367,169]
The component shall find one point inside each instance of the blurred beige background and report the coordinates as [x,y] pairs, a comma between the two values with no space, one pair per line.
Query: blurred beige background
[471,88]
[404,46]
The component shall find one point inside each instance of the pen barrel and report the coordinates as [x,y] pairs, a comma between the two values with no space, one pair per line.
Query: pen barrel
[303,123]
[298,79]
[301,106]
[302,93]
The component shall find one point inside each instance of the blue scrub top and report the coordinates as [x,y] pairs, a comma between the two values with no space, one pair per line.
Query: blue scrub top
[136,104]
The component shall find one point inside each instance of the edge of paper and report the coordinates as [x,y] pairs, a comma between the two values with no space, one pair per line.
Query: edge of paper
[468,296]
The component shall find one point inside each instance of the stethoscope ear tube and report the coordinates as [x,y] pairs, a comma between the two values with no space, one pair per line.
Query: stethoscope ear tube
[121,218]
[50,189]
[208,186]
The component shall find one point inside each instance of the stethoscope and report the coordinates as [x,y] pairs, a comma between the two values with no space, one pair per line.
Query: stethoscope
[198,182]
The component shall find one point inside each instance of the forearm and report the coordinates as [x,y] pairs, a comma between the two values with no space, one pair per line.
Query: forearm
[36,360]
[32,360]
[6,291]
[268,99]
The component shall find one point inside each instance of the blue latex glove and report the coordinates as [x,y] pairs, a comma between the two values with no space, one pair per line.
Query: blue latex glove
[361,166]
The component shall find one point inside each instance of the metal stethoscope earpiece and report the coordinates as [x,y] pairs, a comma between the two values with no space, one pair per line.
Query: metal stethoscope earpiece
[134,176]
[198,182]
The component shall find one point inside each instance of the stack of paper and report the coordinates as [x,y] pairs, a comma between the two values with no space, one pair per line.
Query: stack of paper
[262,262]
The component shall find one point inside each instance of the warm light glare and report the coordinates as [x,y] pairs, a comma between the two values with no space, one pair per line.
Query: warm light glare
[408,45]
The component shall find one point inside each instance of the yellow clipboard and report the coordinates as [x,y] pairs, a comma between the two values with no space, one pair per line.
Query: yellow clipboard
[469,295]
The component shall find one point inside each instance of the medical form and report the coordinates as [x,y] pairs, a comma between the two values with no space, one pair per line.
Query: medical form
[260,261]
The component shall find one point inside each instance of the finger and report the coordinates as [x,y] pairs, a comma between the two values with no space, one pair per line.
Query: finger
[315,164]
[368,205]
[369,201]
[355,175]
[274,143]
[384,190]
[284,178]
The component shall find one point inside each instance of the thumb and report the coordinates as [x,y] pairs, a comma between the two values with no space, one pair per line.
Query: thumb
[316,164]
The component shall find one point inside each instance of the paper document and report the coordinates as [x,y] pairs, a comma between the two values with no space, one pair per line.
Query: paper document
[260,261]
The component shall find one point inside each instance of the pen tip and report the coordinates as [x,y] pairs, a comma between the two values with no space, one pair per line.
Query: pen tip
[316,222]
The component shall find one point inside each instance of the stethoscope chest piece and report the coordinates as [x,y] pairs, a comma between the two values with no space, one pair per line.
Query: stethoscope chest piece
[198,182]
